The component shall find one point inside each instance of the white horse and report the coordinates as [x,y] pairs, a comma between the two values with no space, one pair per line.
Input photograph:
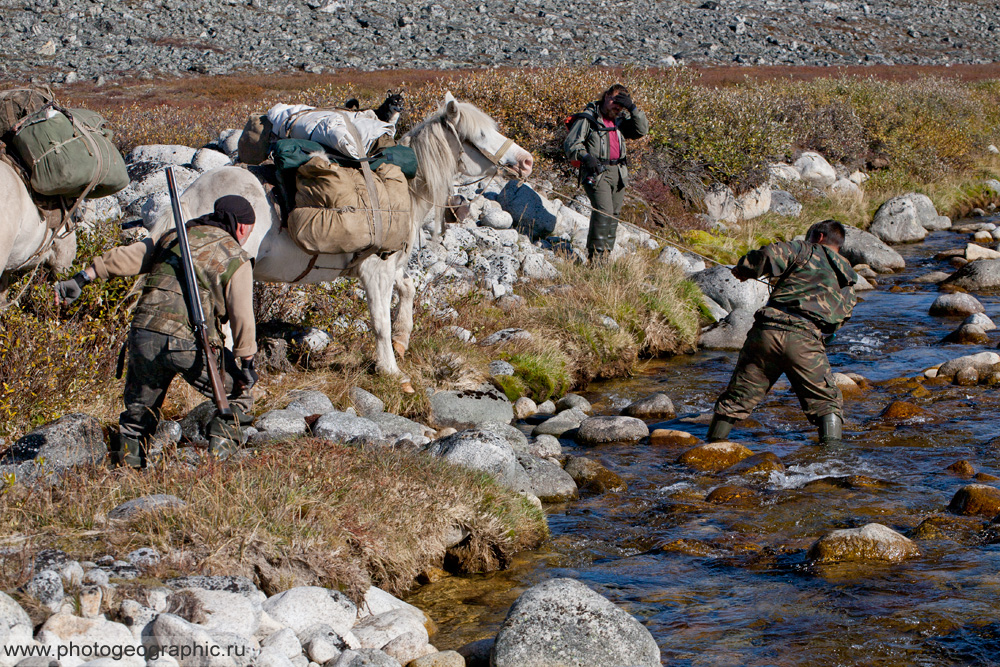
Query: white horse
[25,241]
[457,139]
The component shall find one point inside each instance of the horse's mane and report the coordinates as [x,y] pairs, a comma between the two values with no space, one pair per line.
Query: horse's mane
[436,163]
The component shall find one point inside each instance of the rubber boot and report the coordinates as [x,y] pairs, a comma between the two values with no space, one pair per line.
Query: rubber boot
[830,429]
[225,437]
[131,452]
[719,429]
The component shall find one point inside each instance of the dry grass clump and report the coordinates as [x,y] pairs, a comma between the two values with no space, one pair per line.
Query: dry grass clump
[295,513]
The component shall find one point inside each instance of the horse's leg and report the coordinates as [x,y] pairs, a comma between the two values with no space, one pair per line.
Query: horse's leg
[376,278]
[402,323]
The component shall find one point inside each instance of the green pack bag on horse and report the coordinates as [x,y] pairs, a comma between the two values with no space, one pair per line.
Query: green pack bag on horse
[69,153]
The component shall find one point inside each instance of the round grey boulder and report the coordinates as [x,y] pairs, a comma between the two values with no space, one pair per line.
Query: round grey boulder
[783,203]
[275,424]
[896,221]
[957,304]
[75,439]
[573,401]
[980,320]
[468,409]
[46,587]
[719,284]
[151,503]
[15,626]
[601,430]
[654,406]
[303,607]
[562,622]
[549,481]
[861,247]
[983,274]
[729,333]
[500,367]
[566,420]
[345,428]
[309,402]
[482,450]
[365,402]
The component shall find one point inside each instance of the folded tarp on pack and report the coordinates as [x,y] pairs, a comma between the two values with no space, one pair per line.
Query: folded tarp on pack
[328,127]
[293,153]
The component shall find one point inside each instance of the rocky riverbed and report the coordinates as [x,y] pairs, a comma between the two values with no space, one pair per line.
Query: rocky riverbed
[72,40]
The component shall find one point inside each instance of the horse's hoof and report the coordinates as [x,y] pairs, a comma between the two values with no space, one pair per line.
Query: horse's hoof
[399,348]
[407,387]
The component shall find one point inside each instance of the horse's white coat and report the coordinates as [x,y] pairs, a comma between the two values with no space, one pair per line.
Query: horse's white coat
[22,231]
[449,143]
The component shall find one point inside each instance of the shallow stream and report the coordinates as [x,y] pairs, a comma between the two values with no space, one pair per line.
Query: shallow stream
[742,592]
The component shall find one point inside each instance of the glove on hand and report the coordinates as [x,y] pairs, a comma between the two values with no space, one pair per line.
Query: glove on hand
[68,291]
[245,377]
[589,161]
[624,100]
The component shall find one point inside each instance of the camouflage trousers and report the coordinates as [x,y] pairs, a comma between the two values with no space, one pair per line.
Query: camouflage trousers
[765,356]
[154,360]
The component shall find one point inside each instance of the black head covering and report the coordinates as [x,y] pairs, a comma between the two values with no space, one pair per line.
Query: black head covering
[230,211]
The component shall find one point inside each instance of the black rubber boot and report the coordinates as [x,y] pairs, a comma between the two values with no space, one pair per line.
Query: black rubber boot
[225,435]
[830,429]
[719,428]
[131,452]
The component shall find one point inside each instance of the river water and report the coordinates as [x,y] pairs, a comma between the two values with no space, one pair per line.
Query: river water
[745,594]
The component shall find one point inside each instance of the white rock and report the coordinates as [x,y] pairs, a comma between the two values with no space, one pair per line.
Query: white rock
[217,611]
[165,153]
[814,168]
[974,252]
[981,320]
[64,629]
[755,203]
[377,601]
[206,159]
[720,204]
[858,177]
[846,190]
[15,628]
[377,631]
[285,642]
[783,173]
[302,607]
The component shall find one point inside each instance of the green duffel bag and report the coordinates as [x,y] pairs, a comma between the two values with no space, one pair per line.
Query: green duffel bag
[66,155]
[293,153]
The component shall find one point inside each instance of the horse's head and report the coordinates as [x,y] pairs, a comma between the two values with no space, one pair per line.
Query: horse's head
[483,147]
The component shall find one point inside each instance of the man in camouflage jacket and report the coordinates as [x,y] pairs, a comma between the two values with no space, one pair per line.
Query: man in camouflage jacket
[812,297]
[161,341]
[597,139]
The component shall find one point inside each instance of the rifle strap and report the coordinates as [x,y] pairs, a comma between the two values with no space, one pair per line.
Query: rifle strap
[376,228]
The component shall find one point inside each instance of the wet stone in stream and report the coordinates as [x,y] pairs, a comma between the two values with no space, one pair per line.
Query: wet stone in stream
[714,456]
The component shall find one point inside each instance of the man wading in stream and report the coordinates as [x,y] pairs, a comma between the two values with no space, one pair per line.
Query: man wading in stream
[812,297]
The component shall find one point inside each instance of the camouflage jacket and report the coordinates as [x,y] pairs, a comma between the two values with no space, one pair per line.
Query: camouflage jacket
[217,256]
[588,135]
[813,286]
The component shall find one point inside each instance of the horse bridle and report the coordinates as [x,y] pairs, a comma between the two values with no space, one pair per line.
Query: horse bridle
[494,157]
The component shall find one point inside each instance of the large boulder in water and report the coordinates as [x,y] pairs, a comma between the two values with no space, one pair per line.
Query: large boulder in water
[982,362]
[605,429]
[871,542]
[957,304]
[896,221]
[976,499]
[982,274]
[562,622]
[721,286]
[714,456]
[861,247]
[730,332]
[927,214]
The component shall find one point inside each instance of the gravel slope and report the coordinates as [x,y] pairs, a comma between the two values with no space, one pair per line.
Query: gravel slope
[50,40]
